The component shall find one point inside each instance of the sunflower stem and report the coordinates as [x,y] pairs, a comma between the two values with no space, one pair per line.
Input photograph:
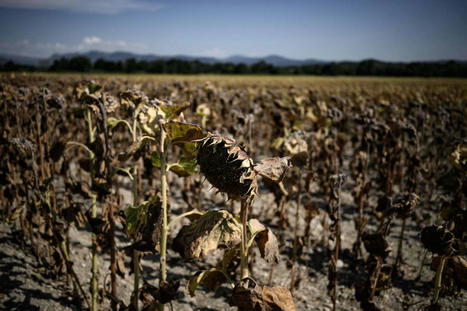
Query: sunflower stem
[93,215]
[438,278]
[244,251]
[163,257]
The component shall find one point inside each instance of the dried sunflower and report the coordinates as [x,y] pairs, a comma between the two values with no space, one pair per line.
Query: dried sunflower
[227,166]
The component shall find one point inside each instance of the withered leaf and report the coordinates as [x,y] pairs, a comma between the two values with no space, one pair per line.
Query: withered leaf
[255,227]
[212,279]
[182,132]
[131,150]
[248,295]
[206,234]
[376,244]
[299,159]
[148,235]
[85,164]
[268,245]
[165,293]
[56,151]
[172,110]
[273,169]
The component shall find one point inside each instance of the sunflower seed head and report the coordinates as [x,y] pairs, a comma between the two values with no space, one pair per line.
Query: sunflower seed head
[227,166]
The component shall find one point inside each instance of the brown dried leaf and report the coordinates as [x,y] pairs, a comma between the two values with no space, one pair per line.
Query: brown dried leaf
[273,169]
[206,234]
[152,296]
[268,245]
[131,150]
[299,159]
[148,238]
[120,264]
[376,244]
[249,296]
[212,279]
[255,226]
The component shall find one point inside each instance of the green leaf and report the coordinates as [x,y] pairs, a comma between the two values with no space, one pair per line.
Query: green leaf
[184,167]
[156,159]
[131,218]
[182,132]
[135,216]
[189,148]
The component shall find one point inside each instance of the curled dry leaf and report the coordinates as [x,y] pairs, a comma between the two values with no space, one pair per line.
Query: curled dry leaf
[405,203]
[266,240]
[268,245]
[132,150]
[206,234]
[120,264]
[273,169]
[376,244]
[249,296]
[147,234]
[299,159]
[438,240]
[152,296]
[24,147]
[212,279]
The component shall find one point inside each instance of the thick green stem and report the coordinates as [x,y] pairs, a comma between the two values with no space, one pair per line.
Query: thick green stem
[244,250]
[163,258]
[438,278]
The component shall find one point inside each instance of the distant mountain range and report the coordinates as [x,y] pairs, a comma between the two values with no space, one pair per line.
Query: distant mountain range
[275,60]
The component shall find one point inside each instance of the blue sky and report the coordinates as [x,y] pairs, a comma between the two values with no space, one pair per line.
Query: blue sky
[396,30]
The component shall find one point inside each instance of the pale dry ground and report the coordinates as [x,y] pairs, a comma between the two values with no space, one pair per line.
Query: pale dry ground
[25,283]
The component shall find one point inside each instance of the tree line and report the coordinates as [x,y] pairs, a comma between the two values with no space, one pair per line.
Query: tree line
[368,67]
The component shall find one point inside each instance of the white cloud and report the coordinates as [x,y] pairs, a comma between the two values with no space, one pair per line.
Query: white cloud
[88,6]
[45,49]
[96,43]
[214,52]
[92,40]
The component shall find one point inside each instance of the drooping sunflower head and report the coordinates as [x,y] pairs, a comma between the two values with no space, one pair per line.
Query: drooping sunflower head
[227,166]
